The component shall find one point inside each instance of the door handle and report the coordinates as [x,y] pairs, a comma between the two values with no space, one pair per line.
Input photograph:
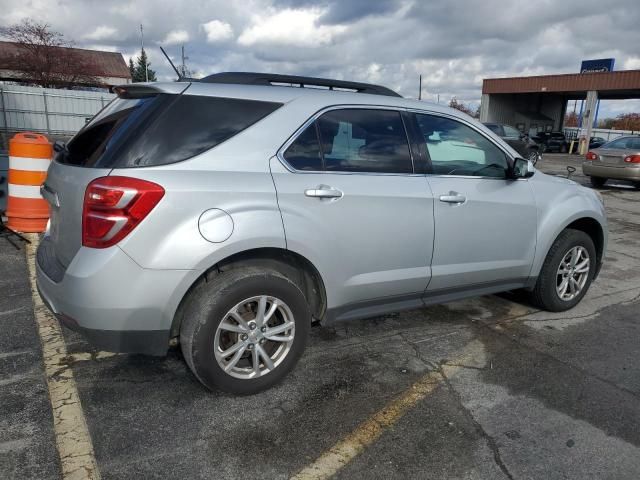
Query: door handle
[323,191]
[453,198]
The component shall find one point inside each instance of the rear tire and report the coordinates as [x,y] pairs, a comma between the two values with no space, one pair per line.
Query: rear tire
[547,291]
[203,339]
[636,185]
[563,148]
[598,182]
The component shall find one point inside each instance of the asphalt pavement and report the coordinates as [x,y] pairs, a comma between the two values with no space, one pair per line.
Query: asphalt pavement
[486,388]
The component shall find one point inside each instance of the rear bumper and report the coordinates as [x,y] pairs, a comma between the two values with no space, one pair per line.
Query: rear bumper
[619,172]
[112,301]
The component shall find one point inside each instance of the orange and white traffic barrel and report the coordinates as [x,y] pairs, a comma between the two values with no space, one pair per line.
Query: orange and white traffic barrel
[29,157]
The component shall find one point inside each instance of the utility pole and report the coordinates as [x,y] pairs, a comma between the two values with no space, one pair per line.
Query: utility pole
[420,89]
[184,65]
[146,69]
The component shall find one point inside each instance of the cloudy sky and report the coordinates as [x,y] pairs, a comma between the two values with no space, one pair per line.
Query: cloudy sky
[454,44]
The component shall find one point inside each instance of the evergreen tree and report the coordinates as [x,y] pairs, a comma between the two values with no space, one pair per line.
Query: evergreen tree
[139,74]
[132,69]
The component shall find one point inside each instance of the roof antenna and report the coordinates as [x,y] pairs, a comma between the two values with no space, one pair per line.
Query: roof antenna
[180,77]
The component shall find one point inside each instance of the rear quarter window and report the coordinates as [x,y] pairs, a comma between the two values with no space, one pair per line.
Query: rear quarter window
[160,130]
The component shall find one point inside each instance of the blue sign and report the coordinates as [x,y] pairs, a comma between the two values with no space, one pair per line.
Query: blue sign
[599,65]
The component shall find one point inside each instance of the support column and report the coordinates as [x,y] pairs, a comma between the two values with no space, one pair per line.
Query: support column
[587,123]
[484,107]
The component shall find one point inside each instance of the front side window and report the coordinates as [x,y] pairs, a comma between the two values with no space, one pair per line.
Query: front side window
[456,149]
[361,140]
[304,152]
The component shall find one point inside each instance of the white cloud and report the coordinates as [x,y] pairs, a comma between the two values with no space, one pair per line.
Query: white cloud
[176,36]
[632,63]
[101,47]
[101,33]
[217,31]
[296,27]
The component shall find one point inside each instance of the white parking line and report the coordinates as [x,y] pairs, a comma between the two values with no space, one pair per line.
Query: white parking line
[72,435]
[334,459]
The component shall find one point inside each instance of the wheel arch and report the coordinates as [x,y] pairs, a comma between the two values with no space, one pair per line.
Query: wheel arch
[587,224]
[291,264]
[591,227]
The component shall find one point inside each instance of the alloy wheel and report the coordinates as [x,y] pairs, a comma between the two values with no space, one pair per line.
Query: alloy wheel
[254,337]
[572,273]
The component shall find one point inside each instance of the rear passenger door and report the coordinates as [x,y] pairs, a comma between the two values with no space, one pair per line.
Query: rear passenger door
[352,204]
[485,222]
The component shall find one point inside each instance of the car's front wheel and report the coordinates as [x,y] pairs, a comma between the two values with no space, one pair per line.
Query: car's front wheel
[567,272]
[244,330]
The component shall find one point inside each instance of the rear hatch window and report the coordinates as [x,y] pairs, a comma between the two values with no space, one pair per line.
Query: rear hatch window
[160,129]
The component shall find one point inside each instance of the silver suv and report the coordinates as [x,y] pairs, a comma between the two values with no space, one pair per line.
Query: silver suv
[226,215]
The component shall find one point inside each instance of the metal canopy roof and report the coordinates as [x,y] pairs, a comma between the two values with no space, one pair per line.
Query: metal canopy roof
[610,85]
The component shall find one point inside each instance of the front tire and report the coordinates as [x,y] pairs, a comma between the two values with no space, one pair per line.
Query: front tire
[567,272]
[244,330]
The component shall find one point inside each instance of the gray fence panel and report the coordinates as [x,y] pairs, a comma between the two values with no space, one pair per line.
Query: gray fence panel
[57,113]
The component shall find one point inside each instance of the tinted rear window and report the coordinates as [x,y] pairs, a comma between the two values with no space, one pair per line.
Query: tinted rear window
[160,129]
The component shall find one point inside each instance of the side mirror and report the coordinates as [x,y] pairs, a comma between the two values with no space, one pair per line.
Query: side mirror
[523,168]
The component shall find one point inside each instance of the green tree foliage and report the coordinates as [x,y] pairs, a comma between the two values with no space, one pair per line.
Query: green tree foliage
[137,69]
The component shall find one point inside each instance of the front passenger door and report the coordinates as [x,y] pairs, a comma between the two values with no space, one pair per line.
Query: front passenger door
[485,222]
[353,206]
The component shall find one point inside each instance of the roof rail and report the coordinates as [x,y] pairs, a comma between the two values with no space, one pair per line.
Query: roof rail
[250,78]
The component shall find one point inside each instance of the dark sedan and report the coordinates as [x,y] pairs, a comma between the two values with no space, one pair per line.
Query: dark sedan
[552,142]
[520,142]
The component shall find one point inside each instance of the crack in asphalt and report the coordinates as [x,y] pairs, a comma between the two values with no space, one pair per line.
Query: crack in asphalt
[623,254]
[490,441]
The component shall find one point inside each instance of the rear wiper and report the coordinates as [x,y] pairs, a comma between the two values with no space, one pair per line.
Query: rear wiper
[60,146]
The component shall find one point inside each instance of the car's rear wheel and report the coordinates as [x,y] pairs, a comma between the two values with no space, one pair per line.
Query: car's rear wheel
[598,182]
[636,185]
[244,330]
[567,272]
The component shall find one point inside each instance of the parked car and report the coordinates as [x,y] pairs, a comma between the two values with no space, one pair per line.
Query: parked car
[618,159]
[520,141]
[226,215]
[552,142]
[594,142]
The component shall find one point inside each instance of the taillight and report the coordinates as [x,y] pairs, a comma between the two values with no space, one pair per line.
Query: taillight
[632,159]
[591,156]
[114,206]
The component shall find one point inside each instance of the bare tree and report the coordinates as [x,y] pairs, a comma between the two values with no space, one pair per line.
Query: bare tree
[43,57]
[454,103]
